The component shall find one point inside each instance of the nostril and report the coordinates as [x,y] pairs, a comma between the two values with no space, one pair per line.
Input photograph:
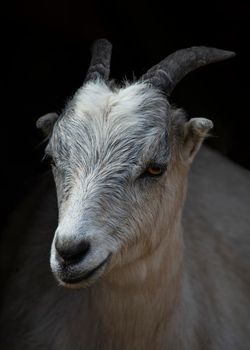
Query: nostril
[71,252]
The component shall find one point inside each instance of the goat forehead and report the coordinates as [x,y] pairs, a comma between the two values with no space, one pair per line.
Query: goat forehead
[99,117]
[126,104]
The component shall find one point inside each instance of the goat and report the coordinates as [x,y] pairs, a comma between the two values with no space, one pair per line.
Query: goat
[145,271]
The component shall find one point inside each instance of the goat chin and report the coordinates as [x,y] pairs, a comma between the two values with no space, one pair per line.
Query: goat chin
[86,279]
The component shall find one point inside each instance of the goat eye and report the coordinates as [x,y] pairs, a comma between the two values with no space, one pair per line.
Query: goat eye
[49,160]
[153,171]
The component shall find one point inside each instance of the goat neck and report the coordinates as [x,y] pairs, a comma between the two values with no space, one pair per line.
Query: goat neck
[140,301]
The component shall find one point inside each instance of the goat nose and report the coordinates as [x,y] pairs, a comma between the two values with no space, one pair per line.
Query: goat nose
[73,252]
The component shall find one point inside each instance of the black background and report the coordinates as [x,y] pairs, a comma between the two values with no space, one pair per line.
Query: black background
[46,51]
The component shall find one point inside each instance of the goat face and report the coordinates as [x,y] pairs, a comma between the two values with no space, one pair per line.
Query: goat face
[113,165]
[120,161]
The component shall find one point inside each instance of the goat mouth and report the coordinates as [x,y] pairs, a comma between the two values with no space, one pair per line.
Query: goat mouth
[87,275]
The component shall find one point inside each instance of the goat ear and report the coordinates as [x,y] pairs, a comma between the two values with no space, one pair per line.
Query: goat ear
[46,122]
[195,130]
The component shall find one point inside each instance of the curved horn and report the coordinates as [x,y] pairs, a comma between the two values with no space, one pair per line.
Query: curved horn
[100,61]
[167,74]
